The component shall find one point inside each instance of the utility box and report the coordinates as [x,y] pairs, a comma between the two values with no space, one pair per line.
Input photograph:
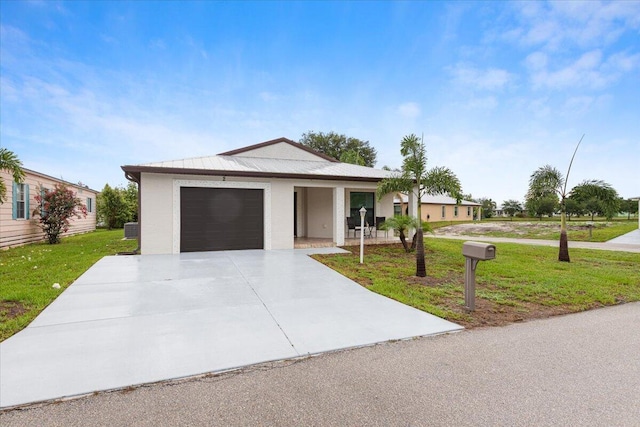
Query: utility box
[131,230]
[478,250]
[474,252]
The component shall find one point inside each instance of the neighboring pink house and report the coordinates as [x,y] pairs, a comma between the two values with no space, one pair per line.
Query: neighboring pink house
[17,227]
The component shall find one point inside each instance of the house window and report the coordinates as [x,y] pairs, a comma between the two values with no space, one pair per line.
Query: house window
[455,211]
[89,204]
[397,210]
[444,211]
[357,201]
[20,201]
[468,210]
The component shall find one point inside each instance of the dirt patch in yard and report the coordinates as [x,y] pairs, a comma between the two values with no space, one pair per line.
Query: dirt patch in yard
[520,229]
[11,309]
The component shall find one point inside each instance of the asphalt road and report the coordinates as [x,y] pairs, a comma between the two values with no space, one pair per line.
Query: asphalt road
[576,370]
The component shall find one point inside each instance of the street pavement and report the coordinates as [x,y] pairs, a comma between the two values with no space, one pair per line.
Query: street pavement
[576,370]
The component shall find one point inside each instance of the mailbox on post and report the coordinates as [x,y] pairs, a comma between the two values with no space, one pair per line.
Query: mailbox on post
[474,252]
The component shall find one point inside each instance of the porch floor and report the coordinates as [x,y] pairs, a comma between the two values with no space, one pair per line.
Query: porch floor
[313,242]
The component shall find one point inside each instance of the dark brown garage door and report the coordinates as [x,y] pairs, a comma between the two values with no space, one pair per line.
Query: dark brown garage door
[216,219]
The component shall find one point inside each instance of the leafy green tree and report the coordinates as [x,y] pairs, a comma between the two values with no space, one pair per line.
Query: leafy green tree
[574,207]
[55,209]
[417,179]
[598,197]
[9,162]
[512,207]
[341,147]
[130,195]
[117,206]
[112,209]
[628,206]
[488,207]
[542,206]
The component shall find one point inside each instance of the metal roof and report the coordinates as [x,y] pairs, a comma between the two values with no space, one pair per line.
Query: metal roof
[238,165]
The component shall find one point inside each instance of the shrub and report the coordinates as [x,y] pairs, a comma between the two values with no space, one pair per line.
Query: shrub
[55,209]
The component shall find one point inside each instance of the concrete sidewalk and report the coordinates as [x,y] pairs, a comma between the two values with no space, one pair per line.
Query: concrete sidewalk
[629,242]
[139,319]
[576,370]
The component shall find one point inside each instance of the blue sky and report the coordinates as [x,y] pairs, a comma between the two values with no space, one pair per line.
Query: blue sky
[497,88]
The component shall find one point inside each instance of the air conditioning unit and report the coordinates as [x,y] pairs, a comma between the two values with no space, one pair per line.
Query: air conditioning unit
[131,230]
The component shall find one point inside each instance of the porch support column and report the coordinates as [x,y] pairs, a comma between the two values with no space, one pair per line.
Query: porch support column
[413,203]
[338,216]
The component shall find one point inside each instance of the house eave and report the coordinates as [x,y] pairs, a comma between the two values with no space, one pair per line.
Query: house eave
[136,171]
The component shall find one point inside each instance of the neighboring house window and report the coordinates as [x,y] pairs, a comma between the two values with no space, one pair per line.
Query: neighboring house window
[20,201]
[357,201]
[468,210]
[397,210]
[444,212]
[455,211]
[89,204]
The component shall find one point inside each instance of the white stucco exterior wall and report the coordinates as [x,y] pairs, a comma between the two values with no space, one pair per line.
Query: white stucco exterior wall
[281,214]
[319,212]
[322,208]
[156,211]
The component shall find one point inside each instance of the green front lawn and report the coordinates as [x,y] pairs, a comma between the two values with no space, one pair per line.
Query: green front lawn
[27,273]
[523,282]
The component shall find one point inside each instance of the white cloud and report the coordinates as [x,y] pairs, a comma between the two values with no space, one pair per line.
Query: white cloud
[590,70]
[410,110]
[488,79]
[564,24]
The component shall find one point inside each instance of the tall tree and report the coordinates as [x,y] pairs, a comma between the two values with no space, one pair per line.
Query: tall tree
[417,179]
[511,207]
[548,180]
[112,208]
[341,147]
[9,162]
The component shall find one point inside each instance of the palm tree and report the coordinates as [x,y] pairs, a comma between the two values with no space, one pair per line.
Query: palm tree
[9,162]
[546,181]
[416,178]
[402,225]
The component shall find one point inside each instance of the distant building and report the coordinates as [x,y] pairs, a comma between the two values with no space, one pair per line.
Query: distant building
[17,227]
[439,208]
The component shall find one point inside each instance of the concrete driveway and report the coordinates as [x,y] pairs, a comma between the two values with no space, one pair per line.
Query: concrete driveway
[139,319]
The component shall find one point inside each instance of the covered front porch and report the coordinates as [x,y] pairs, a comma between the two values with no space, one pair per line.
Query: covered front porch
[321,213]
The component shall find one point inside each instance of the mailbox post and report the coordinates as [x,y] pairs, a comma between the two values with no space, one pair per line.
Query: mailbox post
[474,252]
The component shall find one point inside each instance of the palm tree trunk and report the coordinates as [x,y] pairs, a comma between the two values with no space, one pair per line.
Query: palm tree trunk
[421,268]
[563,254]
[403,239]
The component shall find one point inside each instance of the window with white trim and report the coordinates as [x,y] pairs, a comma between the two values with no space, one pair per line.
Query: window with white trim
[89,204]
[20,201]
[468,210]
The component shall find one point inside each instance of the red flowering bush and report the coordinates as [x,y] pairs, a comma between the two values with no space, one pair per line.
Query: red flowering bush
[55,209]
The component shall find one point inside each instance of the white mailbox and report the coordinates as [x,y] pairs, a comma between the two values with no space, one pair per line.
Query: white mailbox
[479,250]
